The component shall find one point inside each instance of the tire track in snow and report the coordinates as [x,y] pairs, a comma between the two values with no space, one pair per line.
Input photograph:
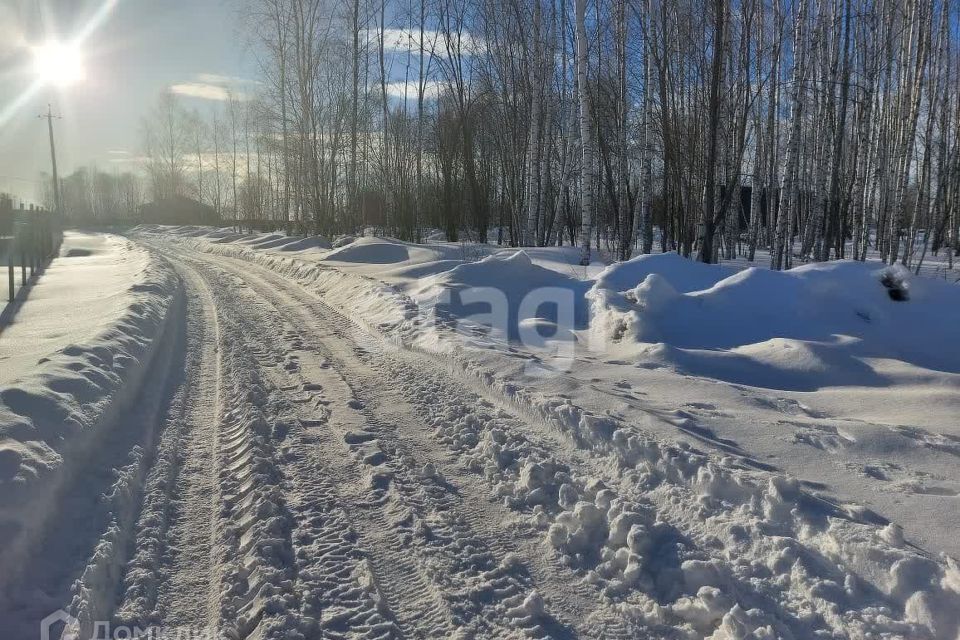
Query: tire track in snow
[171,580]
[582,607]
[195,530]
[253,549]
[214,554]
[484,591]
[408,593]
[324,584]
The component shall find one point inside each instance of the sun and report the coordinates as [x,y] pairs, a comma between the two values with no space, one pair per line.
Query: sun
[58,63]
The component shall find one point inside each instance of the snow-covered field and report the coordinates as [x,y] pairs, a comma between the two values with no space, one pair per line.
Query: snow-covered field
[393,440]
[84,290]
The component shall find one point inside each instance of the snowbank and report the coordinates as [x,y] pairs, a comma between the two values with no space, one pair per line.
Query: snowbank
[370,251]
[507,292]
[683,274]
[818,325]
[301,244]
[52,417]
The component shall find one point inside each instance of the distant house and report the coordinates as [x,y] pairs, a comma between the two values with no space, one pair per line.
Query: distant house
[178,210]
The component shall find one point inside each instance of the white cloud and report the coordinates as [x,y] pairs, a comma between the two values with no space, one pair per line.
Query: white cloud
[201,90]
[224,81]
[212,86]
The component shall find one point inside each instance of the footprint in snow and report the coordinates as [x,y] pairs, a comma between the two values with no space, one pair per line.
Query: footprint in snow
[357,437]
[917,488]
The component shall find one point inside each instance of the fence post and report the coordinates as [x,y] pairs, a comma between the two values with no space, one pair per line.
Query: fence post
[32,235]
[10,269]
[42,245]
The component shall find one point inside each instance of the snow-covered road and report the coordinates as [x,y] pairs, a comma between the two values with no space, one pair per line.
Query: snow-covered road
[324,499]
[287,473]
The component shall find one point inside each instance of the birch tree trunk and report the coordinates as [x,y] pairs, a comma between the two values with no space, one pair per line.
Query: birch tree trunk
[832,211]
[352,191]
[623,177]
[756,188]
[908,129]
[788,196]
[922,203]
[385,107]
[588,153]
[643,229]
[533,203]
[713,123]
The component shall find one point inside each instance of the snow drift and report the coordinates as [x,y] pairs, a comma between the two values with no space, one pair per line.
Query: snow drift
[508,293]
[300,244]
[824,324]
[52,417]
[370,251]
[835,324]
[684,275]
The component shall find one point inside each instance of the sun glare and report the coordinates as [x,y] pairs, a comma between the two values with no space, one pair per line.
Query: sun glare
[58,63]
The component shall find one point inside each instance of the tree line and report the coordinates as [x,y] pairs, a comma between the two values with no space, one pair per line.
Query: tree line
[796,129]
[91,195]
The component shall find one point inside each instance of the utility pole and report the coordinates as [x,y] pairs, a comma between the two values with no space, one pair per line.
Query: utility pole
[53,157]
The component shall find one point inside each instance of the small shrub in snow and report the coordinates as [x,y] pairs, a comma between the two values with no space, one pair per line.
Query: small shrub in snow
[895,280]
[342,241]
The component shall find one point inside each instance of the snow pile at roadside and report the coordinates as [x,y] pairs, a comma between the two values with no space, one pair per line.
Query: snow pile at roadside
[685,275]
[785,562]
[300,244]
[508,294]
[52,417]
[825,324]
[819,325]
[383,305]
[370,251]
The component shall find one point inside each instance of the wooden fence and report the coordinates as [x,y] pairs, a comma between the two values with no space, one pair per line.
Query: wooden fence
[29,240]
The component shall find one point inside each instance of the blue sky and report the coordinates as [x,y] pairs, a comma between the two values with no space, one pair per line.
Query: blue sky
[140,48]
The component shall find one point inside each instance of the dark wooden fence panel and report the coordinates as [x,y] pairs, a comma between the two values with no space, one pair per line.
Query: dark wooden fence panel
[31,240]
